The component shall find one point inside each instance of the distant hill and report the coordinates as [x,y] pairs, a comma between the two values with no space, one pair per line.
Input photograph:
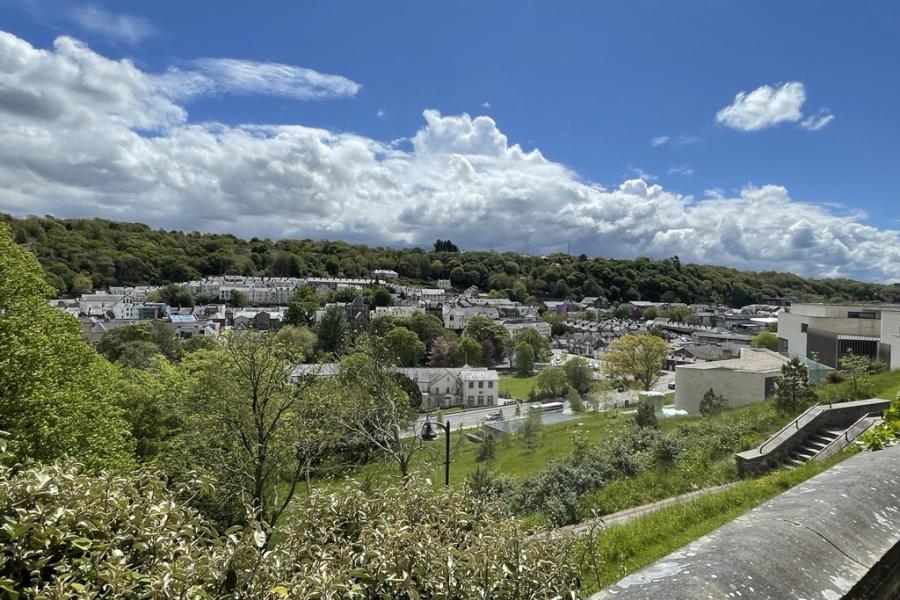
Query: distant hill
[80,254]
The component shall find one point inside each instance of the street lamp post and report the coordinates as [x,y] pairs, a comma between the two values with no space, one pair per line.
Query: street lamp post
[429,435]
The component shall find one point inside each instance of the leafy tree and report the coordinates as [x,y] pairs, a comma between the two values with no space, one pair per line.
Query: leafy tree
[480,328]
[623,311]
[524,358]
[639,357]
[302,307]
[443,353]
[427,327]
[540,345]
[174,295]
[765,339]
[199,342]
[856,369]
[248,425]
[445,246]
[381,297]
[332,331]
[487,450]
[575,402]
[488,353]
[57,395]
[531,431]
[469,350]
[792,388]
[712,403]
[81,284]
[237,299]
[579,374]
[650,313]
[552,381]
[557,323]
[645,416]
[403,347]
[375,409]
[135,345]
[300,342]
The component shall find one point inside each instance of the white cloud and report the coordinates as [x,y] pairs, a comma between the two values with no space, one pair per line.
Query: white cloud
[485,104]
[208,75]
[115,27]
[817,121]
[74,142]
[659,141]
[766,106]
[642,174]
[380,113]
[685,170]
[677,141]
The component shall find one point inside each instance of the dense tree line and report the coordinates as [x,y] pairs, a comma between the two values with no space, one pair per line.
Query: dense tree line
[81,254]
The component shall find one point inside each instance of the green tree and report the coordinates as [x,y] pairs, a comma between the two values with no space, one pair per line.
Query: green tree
[427,327]
[332,330]
[712,403]
[540,345]
[174,295]
[300,342]
[57,395]
[480,328]
[531,430]
[650,313]
[381,297]
[557,323]
[302,307]
[645,416]
[856,369]
[765,339]
[575,402]
[237,299]
[623,311]
[404,347]
[524,358]
[552,381]
[469,350]
[792,388]
[135,345]
[81,284]
[487,450]
[638,357]
[247,425]
[579,374]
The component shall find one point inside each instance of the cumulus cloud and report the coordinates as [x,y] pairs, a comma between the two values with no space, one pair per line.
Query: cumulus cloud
[659,141]
[115,27]
[766,106]
[685,170]
[83,135]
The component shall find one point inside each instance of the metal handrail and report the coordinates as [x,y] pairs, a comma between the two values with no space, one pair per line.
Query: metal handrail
[795,423]
[845,435]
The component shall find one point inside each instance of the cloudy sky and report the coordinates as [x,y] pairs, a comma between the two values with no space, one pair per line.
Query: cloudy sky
[761,136]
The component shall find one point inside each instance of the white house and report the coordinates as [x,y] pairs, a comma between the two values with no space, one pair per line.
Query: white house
[457,318]
[385,274]
[119,306]
[513,326]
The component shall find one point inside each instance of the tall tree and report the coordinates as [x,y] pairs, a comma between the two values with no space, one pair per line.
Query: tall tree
[302,307]
[469,350]
[552,381]
[480,328]
[403,347]
[333,331]
[443,353]
[57,395]
[524,358]
[792,388]
[638,357]
[579,374]
[540,345]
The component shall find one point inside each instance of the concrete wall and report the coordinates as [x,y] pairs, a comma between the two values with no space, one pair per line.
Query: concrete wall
[890,335]
[789,329]
[832,537]
[739,387]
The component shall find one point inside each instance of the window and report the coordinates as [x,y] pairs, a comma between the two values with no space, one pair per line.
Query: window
[865,314]
[480,384]
[471,384]
[490,399]
[490,384]
[804,327]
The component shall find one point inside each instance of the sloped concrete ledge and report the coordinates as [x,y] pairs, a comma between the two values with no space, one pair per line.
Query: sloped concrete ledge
[819,540]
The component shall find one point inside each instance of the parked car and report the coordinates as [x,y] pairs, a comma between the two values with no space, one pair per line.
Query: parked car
[495,416]
[671,385]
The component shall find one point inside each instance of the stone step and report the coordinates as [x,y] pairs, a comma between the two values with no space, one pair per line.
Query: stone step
[803,454]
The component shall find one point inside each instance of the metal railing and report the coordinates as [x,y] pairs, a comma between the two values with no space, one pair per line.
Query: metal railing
[846,437]
[795,424]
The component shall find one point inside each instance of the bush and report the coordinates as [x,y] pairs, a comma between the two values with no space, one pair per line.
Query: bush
[645,416]
[487,450]
[834,377]
[712,403]
[67,534]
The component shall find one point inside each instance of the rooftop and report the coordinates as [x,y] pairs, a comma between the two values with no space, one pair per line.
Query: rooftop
[755,360]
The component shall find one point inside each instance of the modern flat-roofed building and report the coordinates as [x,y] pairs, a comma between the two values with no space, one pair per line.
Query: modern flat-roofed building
[745,380]
[827,332]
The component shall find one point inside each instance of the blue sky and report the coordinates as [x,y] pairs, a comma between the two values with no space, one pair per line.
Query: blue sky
[590,85]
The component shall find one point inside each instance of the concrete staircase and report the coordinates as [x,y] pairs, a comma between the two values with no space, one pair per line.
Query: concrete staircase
[811,446]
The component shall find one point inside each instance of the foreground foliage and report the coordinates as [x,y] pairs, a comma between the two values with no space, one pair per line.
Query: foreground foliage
[68,535]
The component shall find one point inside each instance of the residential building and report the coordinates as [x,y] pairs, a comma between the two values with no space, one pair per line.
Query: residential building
[385,274]
[456,318]
[515,325]
[745,380]
[444,284]
[117,306]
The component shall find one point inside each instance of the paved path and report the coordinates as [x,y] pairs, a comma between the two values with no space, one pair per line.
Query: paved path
[629,514]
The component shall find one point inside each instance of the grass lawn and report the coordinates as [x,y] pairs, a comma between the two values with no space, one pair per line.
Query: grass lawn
[611,554]
[517,386]
[887,384]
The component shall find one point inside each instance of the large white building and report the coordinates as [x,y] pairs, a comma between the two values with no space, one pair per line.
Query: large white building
[119,306]
[829,331]
[745,380]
